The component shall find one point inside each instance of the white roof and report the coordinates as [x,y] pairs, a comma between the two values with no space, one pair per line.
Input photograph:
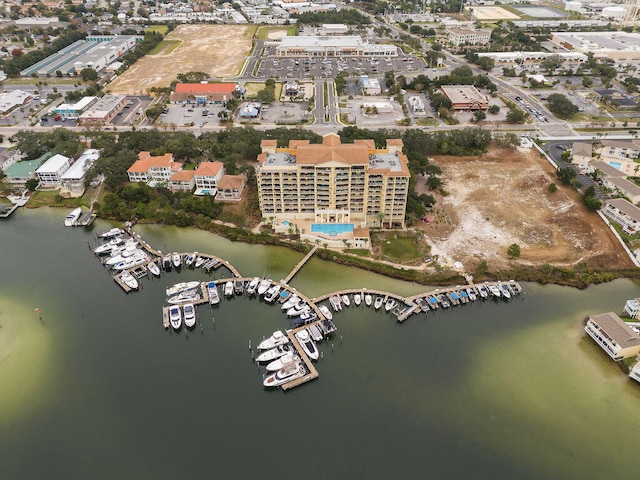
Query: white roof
[53,165]
[79,168]
[12,99]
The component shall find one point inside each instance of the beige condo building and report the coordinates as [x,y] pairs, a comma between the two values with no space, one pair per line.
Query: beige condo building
[334,182]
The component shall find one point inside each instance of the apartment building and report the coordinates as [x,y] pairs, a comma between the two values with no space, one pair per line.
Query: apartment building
[334,182]
[624,214]
[613,335]
[50,172]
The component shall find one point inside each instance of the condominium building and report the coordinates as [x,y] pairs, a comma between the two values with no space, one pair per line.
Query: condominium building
[334,182]
[625,214]
[613,335]
[50,172]
[467,36]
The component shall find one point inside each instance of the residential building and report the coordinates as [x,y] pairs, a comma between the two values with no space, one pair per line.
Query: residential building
[74,110]
[635,372]
[361,238]
[20,172]
[182,181]
[50,172]
[581,152]
[334,182]
[208,174]
[72,181]
[153,169]
[103,111]
[632,307]
[465,97]
[230,187]
[203,92]
[617,150]
[605,170]
[613,335]
[334,46]
[624,187]
[623,213]
[468,36]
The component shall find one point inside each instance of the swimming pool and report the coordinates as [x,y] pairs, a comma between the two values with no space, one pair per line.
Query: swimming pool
[332,228]
[616,165]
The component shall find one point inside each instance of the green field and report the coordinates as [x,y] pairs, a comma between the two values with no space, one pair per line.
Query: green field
[254,87]
[401,249]
[165,47]
[263,32]
[163,29]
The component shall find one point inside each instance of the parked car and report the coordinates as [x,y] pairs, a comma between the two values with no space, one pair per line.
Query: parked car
[561,147]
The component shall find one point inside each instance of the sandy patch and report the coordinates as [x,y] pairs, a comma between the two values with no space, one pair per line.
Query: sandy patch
[493,13]
[276,34]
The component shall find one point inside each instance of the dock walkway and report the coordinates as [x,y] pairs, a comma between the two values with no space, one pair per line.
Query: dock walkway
[299,265]
[311,369]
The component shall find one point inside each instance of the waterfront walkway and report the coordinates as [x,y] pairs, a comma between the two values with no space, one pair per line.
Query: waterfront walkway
[299,265]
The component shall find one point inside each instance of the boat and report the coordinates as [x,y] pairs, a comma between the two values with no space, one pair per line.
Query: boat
[336,303]
[284,294]
[495,291]
[368,299]
[238,286]
[504,289]
[214,296]
[357,299]
[153,268]
[483,291]
[276,338]
[325,311]
[285,375]
[130,262]
[345,300]
[120,254]
[273,353]
[253,286]
[307,344]
[166,261]
[327,326]
[189,315]
[290,302]
[422,303]
[279,363]
[433,302]
[228,289]
[175,317]
[114,232]
[108,246]
[181,287]
[378,303]
[298,308]
[264,286]
[184,297]
[190,259]
[71,219]
[129,280]
[307,316]
[272,293]
[315,333]
[390,303]
[471,292]
[464,297]
[515,287]
[443,301]
[176,259]
[199,261]
[453,298]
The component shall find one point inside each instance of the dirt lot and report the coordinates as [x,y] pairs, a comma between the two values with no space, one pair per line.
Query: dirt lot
[503,198]
[219,50]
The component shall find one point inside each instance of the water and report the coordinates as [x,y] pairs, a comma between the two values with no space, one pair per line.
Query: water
[332,228]
[95,388]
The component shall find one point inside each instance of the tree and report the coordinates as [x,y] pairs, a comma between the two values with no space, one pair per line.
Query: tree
[515,115]
[494,109]
[566,175]
[513,251]
[32,184]
[553,187]
[561,106]
[479,115]
[16,52]
[89,74]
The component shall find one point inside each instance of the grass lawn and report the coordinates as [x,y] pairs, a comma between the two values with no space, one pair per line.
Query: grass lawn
[163,29]
[165,47]
[254,87]
[50,81]
[400,249]
[263,32]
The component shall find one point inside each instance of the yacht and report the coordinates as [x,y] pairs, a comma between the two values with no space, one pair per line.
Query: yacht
[185,297]
[71,219]
[114,232]
[273,353]
[199,261]
[264,286]
[181,287]
[336,303]
[189,315]
[504,289]
[279,363]
[290,302]
[285,375]
[325,312]
[368,299]
[357,299]
[153,268]
[175,317]
[190,259]
[120,254]
[378,303]
[307,344]
[298,308]
[315,333]
[495,291]
[390,304]
[472,294]
[129,280]
[345,300]
[214,296]
[228,289]
[307,316]
[272,293]
[132,261]
[176,259]
[108,246]
[253,286]
[238,286]
[483,291]
[276,338]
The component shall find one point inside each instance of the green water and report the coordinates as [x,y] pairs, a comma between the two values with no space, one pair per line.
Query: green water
[94,387]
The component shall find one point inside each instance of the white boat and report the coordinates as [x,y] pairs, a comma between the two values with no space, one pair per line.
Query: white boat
[190,259]
[214,296]
[184,297]
[495,291]
[181,287]
[71,219]
[326,313]
[129,280]
[315,333]
[345,300]
[290,302]
[272,293]
[504,289]
[368,299]
[228,289]
[175,317]
[176,259]
[276,338]
[264,286]
[307,344]
[378,303]
[280,363]
[108,246]
[285,375]
[153,268]
[472,294]
[120,254]
[357,299]
[253,286]
[114,232]
[483,291]
[199,261]
[273,353]
[189,315]
[132,261]
[298,308]
[390,304]
[336,303]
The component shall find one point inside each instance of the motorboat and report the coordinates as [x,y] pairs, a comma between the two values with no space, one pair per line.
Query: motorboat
[504,289]
[433,302]
[176,259]
[471,292]
[71,219]
[166,261]
[264,286]
[114,232]
[422,303]
[285,375]
[181,287]
[327,326]
[189,315]
[336,303]
[129,280]
[108,246]
[272,293]
[495,291]
[133,261]
[185,297]
[153,268]
[199,261]
[214,296]
[175,317]
[391,303]
[357,298]
[279,363]
[464,296]
[307,344]
[276,338]
[228,289]
[273,353]
[238,286]
[483,291]
[515,287]
[368,299]
[298,308]
[378,303]
[307,316]
[315,333]
[284,295]
[290,302]
[188,261]
[120,254]
[345,300]
[253,286]
[325,312]
[453,298]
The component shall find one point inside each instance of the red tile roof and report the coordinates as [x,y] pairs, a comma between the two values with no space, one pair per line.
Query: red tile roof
[205,88]
[208,169]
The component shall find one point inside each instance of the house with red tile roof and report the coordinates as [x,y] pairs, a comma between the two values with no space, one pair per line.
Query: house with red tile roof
[149,168]
[182,181]
[202,92]
[208,174]
[230,187]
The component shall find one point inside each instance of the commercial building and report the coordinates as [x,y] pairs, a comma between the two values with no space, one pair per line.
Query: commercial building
[417,105]
[465,97]
[617,45]
[19,173]
[334,46]
[50,172]
[370,86]
[467,36]
[72,181]
[533,58]
[9,101]
[624,214]
[153,169]
[249,110]
[203,92]
[615,98]
[333,29]
[613,335]
[74,110]
[334,182]
[103,111]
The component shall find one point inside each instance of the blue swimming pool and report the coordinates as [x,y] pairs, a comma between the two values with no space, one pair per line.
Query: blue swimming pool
[616,165]
[332,228]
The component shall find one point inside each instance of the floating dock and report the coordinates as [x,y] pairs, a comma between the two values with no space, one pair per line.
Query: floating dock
[312,373]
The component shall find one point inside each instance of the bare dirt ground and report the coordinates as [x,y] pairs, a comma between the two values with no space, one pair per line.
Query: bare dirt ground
[502,198]
[219,50]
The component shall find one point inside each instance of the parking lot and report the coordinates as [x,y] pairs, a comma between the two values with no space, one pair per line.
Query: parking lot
[187,113]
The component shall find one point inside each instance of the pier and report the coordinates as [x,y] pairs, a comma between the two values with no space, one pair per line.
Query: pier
[299,265]
[312,373]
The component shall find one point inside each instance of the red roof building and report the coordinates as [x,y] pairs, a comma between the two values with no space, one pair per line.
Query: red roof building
[202,92]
